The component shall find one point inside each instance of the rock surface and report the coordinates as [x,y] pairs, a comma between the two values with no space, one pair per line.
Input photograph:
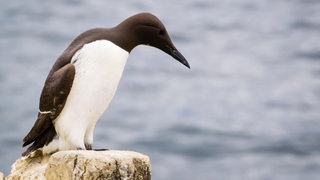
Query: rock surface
[82,165]
[1,176]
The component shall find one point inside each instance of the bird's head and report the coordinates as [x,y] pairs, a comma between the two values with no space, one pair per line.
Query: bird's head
[147,29]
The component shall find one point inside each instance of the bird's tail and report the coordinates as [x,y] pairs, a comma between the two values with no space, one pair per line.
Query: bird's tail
[44,139]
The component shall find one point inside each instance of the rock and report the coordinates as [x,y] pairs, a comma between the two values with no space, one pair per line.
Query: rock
[83,165]
[30,167]
[1,176]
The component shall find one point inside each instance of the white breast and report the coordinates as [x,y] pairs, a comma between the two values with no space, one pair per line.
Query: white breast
[99,66]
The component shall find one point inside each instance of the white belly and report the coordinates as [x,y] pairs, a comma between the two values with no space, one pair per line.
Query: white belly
[99,66]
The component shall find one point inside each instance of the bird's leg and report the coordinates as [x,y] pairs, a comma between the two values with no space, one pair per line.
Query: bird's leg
[88,146]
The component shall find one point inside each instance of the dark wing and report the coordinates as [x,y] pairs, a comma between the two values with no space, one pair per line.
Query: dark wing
[52,101]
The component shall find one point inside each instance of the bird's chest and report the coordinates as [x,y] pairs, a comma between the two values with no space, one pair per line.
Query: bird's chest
[98,62]
[99,66]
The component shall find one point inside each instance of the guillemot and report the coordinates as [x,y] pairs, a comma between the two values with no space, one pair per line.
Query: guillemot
[83,81]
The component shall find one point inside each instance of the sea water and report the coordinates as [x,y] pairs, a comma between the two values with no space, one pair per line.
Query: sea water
[249,107]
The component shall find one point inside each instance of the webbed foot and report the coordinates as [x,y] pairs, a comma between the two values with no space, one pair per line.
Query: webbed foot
[101,149]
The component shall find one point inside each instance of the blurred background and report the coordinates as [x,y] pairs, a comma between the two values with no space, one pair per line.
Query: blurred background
[249,108]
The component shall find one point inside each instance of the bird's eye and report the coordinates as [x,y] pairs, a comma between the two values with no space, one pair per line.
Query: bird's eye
[161,32]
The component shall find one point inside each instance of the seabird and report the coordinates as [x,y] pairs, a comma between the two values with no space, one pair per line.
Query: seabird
[83,81]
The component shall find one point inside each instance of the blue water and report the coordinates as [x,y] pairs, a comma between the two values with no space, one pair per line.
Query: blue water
[249,108]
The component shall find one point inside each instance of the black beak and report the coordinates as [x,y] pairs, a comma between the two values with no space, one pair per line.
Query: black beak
[179,57]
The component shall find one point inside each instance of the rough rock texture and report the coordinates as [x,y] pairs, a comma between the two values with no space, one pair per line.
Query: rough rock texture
[82,165]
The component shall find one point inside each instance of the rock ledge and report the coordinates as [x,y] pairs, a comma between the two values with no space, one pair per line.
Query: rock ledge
[83,165]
